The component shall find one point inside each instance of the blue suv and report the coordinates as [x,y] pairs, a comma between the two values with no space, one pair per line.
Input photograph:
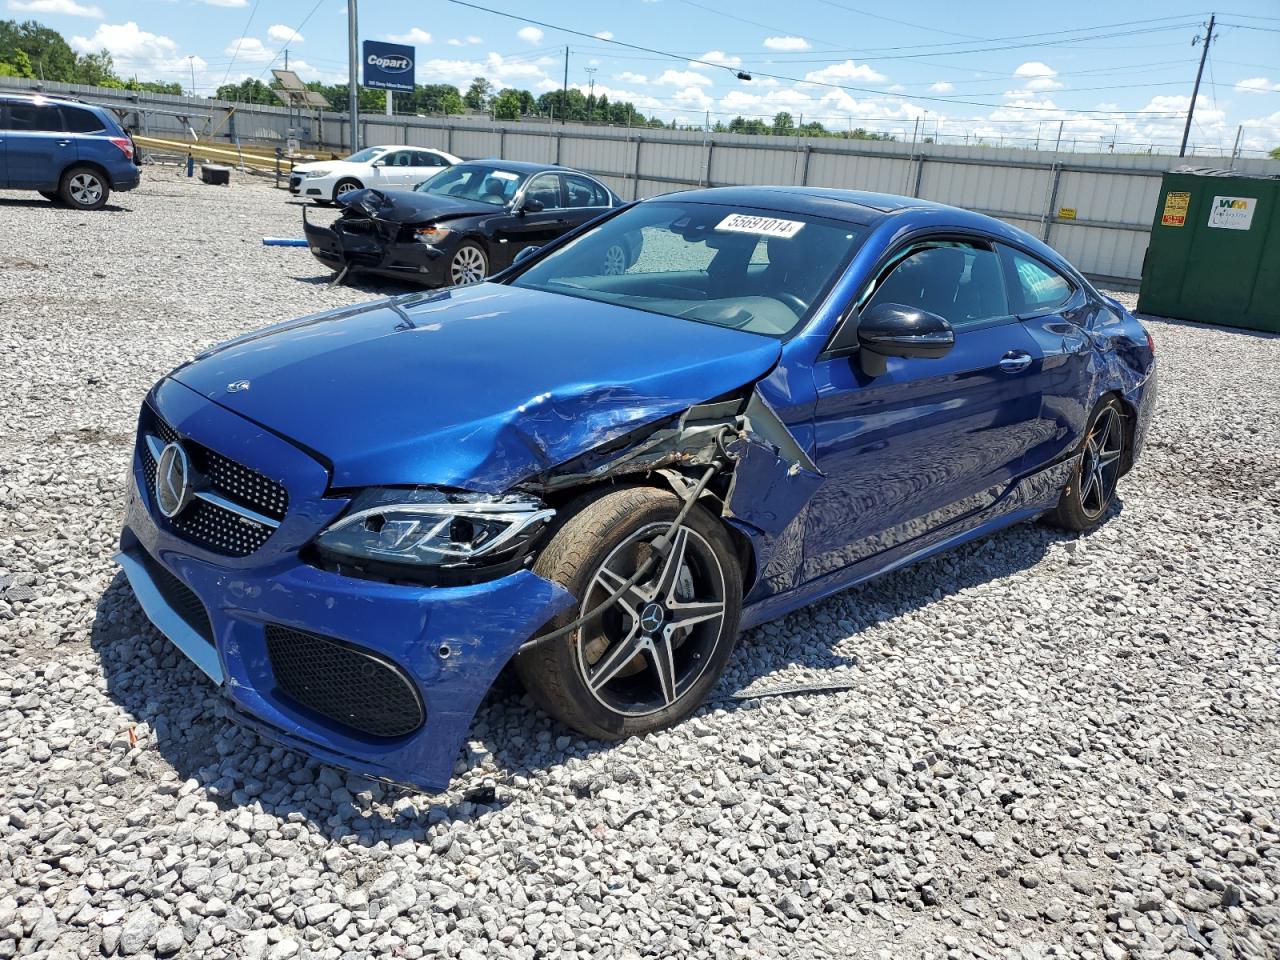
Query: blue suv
[64,149]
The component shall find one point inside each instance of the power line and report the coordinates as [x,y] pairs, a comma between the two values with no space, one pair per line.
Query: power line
[782,77]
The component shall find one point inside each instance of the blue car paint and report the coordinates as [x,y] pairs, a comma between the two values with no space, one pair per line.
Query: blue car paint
[36,160]
[563,376]
[550,390]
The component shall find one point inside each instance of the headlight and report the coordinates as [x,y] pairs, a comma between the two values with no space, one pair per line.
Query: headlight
[431,233]
[423,526]
[322,172]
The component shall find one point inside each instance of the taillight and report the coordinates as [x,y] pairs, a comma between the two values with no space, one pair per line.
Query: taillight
[1151,342]
[125,145]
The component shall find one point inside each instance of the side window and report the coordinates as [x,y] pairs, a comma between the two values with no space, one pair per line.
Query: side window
[400,158]
[546,188]
[585,193]
[77,120]
[959,282]
[1040,288]
[34,117]
[423,159]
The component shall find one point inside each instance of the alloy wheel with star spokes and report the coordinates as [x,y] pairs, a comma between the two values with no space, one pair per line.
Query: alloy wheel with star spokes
[1095,470]
[649,659]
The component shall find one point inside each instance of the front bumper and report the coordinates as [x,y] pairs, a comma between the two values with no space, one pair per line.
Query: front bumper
[449,642]
[414,261]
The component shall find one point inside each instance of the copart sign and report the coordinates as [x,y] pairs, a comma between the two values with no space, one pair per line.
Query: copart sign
[388,66]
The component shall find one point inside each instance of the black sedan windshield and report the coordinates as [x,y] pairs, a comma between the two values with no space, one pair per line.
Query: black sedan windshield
[484,182]
[756,270]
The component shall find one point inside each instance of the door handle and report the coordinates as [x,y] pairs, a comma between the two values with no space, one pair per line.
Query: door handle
[1015,360]
[64,143]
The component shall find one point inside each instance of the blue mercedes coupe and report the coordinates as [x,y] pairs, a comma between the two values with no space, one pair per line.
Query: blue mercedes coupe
[354,521]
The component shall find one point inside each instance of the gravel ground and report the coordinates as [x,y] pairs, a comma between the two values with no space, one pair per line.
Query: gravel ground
[1052,747]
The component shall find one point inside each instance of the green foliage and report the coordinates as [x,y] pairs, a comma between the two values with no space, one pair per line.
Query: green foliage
[49,55]
[1275,154]
[246,91]
[20,67]
[97,70]
[432,98]
[507,105]
[478,94]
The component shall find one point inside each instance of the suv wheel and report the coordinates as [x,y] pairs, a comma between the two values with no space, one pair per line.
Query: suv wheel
[84,188]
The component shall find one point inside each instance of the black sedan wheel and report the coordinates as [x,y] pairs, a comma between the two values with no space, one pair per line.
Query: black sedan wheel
[648,661]
[1097,471]
[468,265]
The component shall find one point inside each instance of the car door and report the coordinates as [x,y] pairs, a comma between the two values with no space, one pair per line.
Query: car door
[1059,314]
[37,148]
[425,165]
[530,228]
[929,443]
[394,168]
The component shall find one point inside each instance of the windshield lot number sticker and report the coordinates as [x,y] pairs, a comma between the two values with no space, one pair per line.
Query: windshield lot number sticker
[1232,213]
[1175,209]
[765,226]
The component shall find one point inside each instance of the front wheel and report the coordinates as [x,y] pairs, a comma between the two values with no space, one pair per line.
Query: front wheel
[468,265]
[1097,470]
[650,660]
[84,189]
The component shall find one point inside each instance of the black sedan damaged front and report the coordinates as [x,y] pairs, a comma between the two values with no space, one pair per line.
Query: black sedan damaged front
[394,233]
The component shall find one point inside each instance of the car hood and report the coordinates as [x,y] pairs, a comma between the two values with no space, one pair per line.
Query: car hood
[476,388]
[409,206]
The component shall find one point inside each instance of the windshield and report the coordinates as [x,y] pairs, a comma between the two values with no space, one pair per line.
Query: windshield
[367,154]
[484,182]
[756,270]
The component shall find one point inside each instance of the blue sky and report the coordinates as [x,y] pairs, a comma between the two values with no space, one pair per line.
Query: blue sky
[998,70]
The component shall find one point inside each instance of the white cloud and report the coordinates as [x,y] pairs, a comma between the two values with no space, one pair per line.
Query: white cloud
[249,49]
[226,3]
[846,72]
[683,78]
[500,71]
[626,76]
[1258,85]
[282,34]
[454,42]
[66,8]
[126,41]
[721,58]
[786,43]
[1037,76]
[415,37]
[693,98]
[942,86]
[529,34]
[474,40]
[604,35]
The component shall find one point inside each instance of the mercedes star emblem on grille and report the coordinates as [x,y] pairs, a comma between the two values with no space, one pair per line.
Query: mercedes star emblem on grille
[173,480]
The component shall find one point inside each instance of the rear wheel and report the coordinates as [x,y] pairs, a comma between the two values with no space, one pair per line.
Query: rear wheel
[650,660]
[84,188]
[1096,474]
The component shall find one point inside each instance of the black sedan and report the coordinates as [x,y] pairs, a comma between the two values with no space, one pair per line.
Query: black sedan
[465,223]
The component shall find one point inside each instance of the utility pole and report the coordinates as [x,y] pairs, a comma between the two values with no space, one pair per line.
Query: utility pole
[286,58]
[191,62]
[591,95]
[564,91]
[1058,144]
[1191,107]
[1235,151]
[353,74]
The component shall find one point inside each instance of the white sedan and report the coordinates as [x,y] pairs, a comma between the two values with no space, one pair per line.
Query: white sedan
[326,180]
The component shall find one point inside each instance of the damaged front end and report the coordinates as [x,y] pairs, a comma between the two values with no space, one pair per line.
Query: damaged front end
[375,233]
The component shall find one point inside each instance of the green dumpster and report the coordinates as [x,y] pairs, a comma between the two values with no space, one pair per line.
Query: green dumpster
[1214,254]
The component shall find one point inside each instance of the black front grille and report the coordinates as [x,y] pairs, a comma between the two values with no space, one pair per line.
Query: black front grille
[207,524]
[343,682]
[179,597]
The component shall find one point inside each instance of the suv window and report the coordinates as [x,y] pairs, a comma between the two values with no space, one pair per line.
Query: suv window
[958,281]
[77,120]
[584,192]
[1041,288]
[33,117]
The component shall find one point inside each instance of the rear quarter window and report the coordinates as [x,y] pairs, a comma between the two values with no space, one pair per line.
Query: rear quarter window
[78,120]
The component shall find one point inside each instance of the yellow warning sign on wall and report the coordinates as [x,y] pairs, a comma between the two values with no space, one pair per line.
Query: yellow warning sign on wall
[1175,209]
[1066,213]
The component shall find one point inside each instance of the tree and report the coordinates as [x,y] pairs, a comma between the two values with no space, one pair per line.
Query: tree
[783,123]
[246,91]
[97,70]
[478,94]
[1275,154]
[50,56]
[20,66]
[438,98]
[507,105]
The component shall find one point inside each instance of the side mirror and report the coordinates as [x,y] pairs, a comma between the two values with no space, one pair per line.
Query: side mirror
[525,254]
[894,330]
[378,163]
[532,205]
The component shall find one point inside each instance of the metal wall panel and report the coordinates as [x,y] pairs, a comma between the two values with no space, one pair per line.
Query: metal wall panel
[1110,197]
[880,174]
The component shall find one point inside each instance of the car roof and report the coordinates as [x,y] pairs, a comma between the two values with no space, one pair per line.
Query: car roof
[854,206]
[37,95]
[524,166]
